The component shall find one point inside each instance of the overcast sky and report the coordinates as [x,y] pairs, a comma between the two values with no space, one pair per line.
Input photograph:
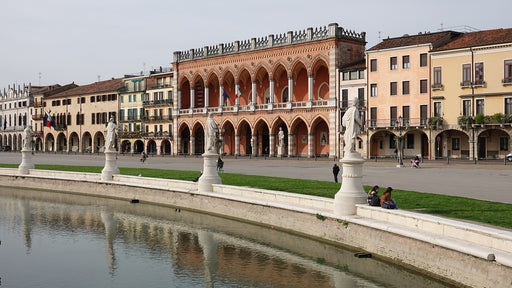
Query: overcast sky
[62,41]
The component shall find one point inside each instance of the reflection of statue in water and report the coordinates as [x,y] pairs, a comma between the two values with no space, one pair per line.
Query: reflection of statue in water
[211,134]
[352,123]
[111,132]
[281,137]
[27,138]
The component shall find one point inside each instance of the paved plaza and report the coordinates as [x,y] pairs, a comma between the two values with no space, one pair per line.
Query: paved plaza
[486,180]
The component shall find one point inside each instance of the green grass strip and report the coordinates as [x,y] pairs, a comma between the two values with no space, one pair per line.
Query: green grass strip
[493,213]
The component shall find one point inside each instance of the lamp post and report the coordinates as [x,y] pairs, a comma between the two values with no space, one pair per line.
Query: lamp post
[399,141]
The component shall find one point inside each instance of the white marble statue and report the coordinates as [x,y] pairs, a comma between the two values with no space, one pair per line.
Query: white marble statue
[27,138]
[352,123]
[280,136]
[111,133]
[211,134]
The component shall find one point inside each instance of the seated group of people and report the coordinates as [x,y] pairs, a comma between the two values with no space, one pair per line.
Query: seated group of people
[383,201]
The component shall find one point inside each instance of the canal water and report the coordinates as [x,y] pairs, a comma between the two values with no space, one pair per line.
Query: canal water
[63,240]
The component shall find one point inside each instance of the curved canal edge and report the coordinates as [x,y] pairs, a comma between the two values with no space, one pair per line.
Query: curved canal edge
[458,252]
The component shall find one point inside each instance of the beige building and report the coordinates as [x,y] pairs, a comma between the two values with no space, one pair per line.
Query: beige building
[472,95]
[80,116]
[158,106]
[132,114]
[15,115]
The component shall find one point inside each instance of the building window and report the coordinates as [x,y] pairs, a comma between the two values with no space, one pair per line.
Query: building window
[508,106]
[93,118]
[393,89]
[392,141]
[423,60]
[393,115]
[373,90]
[466,107]
[423,86]
[361,74]
[405,87]
[423,114]
[437,109]
[466,75]
[503,143]
[507,77]
[480,106]
[344,98]
[479,73]
[405,62]
[346,76]
[455,143]
[406,117]
[393,63]
[437,78]
[360,96]
[373,116]
[410,141]
[373,65]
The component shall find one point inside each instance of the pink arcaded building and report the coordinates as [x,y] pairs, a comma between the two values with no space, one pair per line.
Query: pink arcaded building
[257,86]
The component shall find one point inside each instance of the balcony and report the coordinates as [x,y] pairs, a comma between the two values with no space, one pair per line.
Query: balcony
[437,86]
[160,118]
[465,84]
[479,83]
[159,86]
[37,117]
[507,81]
[156,135]
[260,107]
[162,102]
[37,104]
[130,119]
[390,123]
[38,133]
[129,134]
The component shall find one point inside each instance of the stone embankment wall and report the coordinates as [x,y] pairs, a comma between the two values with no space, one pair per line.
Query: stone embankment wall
[462,253]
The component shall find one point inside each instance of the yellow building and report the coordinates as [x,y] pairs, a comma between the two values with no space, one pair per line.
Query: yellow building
[398,99]
[80,116]
[472,95]
[131,114]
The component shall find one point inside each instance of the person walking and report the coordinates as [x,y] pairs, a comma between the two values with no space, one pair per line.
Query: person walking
[335,172]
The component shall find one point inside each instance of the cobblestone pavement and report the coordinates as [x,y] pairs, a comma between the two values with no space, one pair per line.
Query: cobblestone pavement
[486,180]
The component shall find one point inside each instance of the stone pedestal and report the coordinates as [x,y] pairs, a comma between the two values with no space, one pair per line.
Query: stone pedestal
[110,165]
[26,161]
[351,191]
[209,176]
[279,151]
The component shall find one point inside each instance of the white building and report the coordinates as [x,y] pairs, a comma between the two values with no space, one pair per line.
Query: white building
[15,114]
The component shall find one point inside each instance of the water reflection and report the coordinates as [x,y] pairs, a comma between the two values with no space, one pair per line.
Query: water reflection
[153,246]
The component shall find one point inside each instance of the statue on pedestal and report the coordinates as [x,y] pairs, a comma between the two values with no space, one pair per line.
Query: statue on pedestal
[111,133]
[352,123]
[211,134]
[27,138]
[280,143]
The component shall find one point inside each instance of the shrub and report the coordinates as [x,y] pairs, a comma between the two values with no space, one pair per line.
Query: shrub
[479,118]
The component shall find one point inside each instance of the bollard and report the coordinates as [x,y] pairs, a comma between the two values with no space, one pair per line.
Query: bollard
[505,161]
[447,160]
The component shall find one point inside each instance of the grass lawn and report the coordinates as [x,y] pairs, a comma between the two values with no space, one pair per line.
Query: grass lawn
[492,213]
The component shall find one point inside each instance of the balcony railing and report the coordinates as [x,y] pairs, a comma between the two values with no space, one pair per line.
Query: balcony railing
[389,123]
[507,81]
[37,116]
[161,102]
[37,104]
[158,118]
[129,134]
[130,118]
[437,86]
[159,135]
[159,86]
[259,107]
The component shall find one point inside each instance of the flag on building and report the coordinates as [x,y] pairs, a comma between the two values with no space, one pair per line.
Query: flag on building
[224,94]
[48,120]
[238,93]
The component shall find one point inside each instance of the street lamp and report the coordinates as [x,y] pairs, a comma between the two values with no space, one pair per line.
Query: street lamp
[399,141]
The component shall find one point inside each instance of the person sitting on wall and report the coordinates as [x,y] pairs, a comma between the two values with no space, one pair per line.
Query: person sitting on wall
[373,196]
[386,201]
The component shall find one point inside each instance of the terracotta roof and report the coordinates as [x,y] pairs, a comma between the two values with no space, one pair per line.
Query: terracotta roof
[480,38]
[356,65]
[97,87]
[436,39]
[54,89]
